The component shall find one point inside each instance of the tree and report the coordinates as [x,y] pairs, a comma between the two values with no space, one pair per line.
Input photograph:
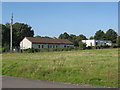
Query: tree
[21,30]
[38,36]
[81,37]
[65,35]
[82,45]
[111,35]
[91,37]
[73,39]
[5,36]
[100,35]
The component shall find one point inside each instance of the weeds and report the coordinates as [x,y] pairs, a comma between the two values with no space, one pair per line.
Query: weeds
[98,67]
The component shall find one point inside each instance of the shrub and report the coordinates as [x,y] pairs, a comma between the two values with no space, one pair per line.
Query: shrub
[101,46]
[106,46]
[114,46]
[82,45]
[71,48]
[89,47]
[97,46]
[76,48]
[5,48]
[44,50]
[30,50]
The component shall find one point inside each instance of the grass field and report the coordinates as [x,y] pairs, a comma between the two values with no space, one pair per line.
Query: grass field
[96,67]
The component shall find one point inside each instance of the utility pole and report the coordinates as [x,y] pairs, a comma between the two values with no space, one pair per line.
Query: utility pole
[11,23]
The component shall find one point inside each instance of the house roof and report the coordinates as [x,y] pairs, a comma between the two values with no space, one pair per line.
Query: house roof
[48,40]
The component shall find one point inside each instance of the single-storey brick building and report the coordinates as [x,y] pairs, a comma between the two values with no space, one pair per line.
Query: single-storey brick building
[39,43]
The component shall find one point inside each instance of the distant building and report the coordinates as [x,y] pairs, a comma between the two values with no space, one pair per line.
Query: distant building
[96,42]
[39,43]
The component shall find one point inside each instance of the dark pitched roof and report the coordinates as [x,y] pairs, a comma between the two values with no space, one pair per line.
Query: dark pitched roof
[48,40]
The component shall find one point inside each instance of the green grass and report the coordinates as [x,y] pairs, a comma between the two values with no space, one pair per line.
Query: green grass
[96,67]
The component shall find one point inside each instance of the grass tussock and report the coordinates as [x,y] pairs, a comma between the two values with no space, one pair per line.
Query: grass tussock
[97,67]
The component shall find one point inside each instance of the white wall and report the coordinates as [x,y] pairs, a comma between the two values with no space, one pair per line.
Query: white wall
[25,44]
[99,42]
[89,42]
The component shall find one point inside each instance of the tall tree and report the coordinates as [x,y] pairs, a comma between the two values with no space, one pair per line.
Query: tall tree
[73,39]
[91,37]
[65,35]
[5,35]
[21,30]
[111,35]
[100,35]
[80,38]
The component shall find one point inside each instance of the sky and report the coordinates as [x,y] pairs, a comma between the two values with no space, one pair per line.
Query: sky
[53,18]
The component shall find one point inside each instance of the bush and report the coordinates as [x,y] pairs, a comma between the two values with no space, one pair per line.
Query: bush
[89,47]
[71,48]
[5,48]
[97,47]
[82,45]
[32,50]
[102,46]
[44,50]
[114,46]
[106,46]
[76,48]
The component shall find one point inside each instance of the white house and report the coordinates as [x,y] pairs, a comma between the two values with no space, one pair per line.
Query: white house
[39,43]
[96,42]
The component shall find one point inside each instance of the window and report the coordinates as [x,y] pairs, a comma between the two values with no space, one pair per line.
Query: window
[38,46]
[96,43]
[48,46]
[42,46]
[64,45]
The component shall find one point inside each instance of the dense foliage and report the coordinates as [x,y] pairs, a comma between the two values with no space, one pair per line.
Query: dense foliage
[109,35]
[73,38]
[21,30]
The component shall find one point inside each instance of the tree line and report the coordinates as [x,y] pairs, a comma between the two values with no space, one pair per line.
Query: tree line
[99,35]
[21,30]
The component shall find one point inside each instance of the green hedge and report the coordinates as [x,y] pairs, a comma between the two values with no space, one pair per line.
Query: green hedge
[32,50]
